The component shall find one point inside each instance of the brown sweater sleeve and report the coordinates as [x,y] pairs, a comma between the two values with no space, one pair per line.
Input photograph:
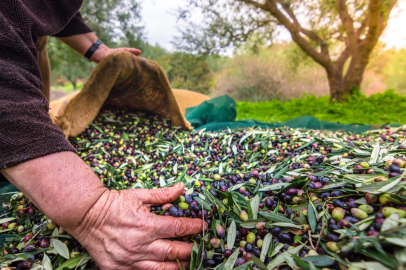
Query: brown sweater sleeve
[76,26]
[26,130]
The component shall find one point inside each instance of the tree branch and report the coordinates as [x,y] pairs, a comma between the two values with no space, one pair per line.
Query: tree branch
[322,57]
[255,4]
[376,22]
[310,34]
[363,26]
[348,23]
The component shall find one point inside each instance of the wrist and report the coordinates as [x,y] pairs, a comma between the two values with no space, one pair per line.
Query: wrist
[95,217]
[99,54]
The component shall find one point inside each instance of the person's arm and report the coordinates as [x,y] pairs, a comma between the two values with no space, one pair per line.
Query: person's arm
[81,43]
[116,228]
[80,37]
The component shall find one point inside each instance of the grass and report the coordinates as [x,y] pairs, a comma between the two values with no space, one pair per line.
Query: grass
[67,88]
[382,108]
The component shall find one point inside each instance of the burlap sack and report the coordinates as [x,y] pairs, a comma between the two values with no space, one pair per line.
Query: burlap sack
[184,98]
[126,81]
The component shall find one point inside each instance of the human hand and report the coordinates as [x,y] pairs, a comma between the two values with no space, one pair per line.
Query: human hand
[119,231]
[103,51]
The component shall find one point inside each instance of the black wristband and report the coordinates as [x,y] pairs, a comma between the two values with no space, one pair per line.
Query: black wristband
[93,48]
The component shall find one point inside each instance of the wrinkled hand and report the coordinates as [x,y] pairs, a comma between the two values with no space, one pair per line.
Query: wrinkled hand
[103,51]
[119,231]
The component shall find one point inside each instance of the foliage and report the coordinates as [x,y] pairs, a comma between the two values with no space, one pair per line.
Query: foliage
[330,32]
[67,63]
[279,72]
[395,72]
[187,71]
[380,108]
[114,21]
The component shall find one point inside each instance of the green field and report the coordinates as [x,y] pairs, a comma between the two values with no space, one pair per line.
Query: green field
[383,108]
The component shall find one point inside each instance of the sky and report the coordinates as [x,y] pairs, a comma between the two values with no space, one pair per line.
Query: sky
[159,17]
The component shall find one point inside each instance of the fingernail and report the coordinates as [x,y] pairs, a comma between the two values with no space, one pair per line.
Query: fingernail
[177,185]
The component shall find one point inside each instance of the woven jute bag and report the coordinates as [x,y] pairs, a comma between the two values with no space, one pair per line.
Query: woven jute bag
[123,80]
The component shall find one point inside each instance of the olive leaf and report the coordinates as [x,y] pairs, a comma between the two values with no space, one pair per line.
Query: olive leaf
[244,266]
[258,262]
[46,262]
[238,198]
[311,217]
[289,260]
[303,206]
[238,186]
[302,264]
[334,255]
[370,265]
[275,217]
[285,225]
[231,260]
[373,188]
[85,258]
[389,261]
[320,261]
[335,185]
[390,222]
[60,247]
[397,241]
[312,266]
[162,181]
[70,264]
[278,247]
[361,201]
[400,255]
[375,154]
[249,210]
[193,258]
[280,259]
[281,172]
[252,223]
[276,186]
[255,207]
[5,220]
[365,225]
[231,235]
[265,246]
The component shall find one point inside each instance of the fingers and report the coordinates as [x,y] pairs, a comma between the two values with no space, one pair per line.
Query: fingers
[149,265]
[171,227]
[167,250]
[133,51]
[160,195]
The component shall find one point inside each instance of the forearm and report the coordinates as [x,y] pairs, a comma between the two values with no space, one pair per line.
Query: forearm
[61,185]
[82,43]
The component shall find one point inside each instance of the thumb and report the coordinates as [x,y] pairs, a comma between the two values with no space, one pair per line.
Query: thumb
[160,195]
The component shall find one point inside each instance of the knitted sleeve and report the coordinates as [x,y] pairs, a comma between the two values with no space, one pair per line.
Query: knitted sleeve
[76,26]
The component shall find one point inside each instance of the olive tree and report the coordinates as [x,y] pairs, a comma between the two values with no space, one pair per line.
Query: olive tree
[338,34]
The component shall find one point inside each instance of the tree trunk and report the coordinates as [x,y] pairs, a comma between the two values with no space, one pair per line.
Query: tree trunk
[74,85]
[356,69]
[338,91]
[341,86]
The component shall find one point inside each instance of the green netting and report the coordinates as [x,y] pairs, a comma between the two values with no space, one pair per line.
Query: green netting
[212,112]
